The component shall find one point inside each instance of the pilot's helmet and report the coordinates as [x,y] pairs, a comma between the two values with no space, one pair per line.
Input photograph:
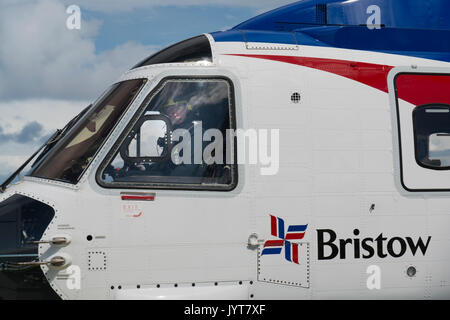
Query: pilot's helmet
[177,111]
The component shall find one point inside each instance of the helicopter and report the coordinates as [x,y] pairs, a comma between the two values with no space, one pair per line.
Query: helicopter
[151,192]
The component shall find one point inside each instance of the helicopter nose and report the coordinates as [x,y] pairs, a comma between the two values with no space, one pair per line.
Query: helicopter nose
[22,221]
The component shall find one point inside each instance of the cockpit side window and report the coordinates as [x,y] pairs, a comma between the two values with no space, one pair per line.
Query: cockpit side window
[193,50]
[73,154]
[432,136]
[180,139]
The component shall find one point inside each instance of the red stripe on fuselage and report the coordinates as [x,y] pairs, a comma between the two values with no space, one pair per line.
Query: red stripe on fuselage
[374,75]
[415,89]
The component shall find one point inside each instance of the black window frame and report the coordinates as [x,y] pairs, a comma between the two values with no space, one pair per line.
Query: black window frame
[170,186]
[399,140]
[416,143]
[186,48]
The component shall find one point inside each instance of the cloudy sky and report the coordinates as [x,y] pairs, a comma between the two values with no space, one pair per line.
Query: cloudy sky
[48,73]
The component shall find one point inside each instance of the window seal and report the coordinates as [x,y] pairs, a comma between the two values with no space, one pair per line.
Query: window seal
[168,186]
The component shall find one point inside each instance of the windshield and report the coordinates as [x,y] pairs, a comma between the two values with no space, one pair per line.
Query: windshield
[73,154]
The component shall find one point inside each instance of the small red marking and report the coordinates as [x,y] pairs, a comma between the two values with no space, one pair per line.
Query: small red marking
[146,198]
[137,215]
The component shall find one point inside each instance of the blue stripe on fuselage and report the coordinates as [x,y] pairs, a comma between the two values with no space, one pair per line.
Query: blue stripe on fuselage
[427,44]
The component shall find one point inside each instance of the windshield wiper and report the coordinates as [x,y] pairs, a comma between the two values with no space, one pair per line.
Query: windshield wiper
[14,175]
[47,145]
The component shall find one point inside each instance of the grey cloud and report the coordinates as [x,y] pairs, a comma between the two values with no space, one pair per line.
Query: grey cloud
[31,132]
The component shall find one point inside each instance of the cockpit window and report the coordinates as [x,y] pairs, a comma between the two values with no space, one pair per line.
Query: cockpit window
[73,154]
[180,139]
[196,49]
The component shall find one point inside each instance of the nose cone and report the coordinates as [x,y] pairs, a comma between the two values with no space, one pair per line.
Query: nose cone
[22,221]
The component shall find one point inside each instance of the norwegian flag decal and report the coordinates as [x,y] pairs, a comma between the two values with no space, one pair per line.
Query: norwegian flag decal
[277,229]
